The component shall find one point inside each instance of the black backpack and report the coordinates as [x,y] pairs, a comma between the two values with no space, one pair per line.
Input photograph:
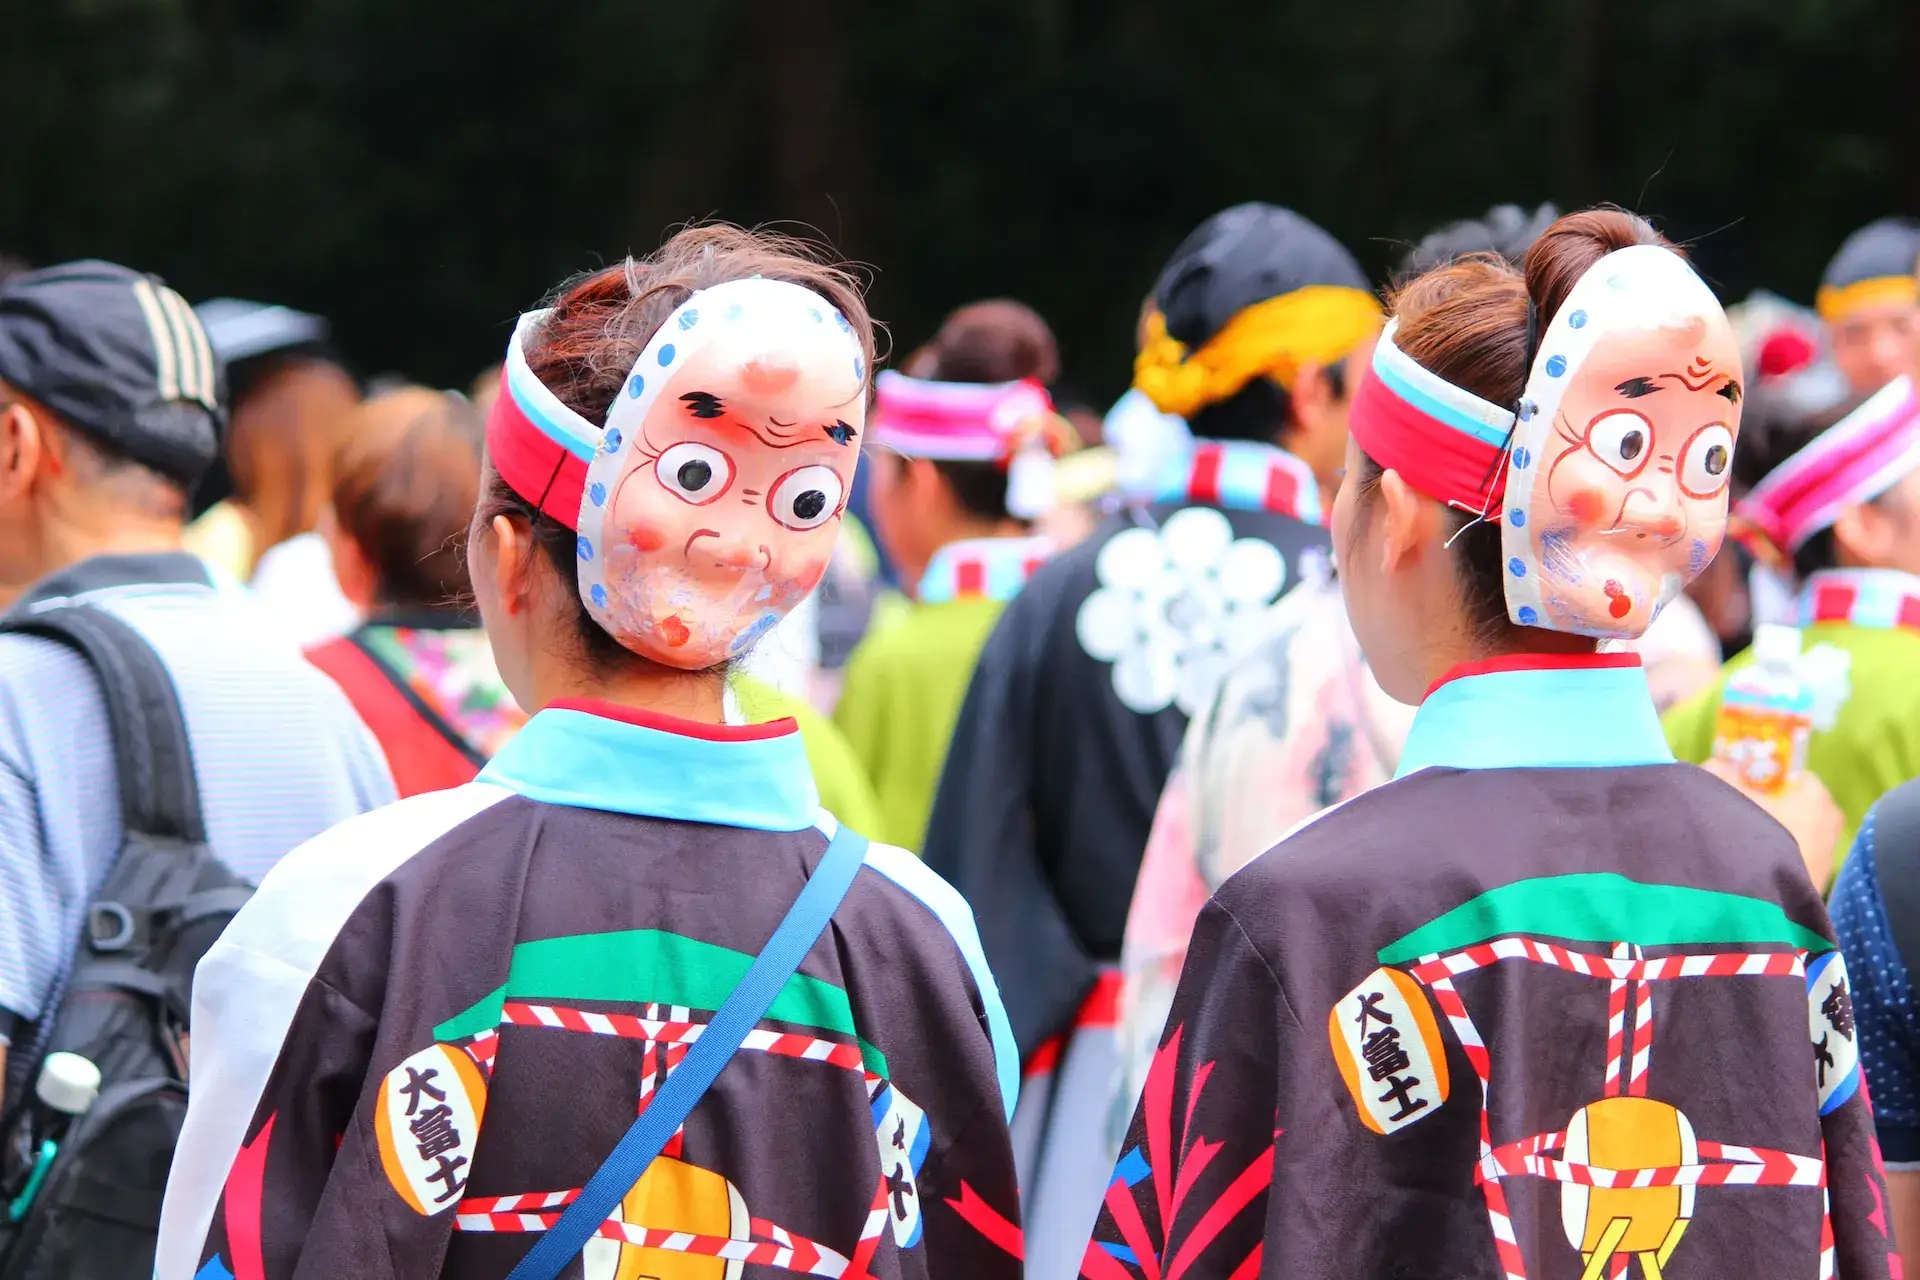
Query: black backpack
[96,1213]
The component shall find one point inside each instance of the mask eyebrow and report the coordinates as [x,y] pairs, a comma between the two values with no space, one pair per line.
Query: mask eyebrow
[840,433]
[704,404]
[1731,390]
[1634,388]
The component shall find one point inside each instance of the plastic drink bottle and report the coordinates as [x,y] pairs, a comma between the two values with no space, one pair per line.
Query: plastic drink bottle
[66,1088]
[1766,713]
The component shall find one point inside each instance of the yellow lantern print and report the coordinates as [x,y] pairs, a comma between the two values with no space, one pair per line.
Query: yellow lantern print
[1628,1133]
[673,1196]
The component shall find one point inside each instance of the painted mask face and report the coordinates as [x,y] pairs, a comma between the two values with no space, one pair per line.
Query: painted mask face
[713,501]
[1618,491]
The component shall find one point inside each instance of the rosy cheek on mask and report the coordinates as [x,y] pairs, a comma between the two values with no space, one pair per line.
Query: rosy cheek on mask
[1585,505]
[644,537]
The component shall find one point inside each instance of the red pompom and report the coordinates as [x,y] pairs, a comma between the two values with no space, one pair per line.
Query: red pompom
[1784,351]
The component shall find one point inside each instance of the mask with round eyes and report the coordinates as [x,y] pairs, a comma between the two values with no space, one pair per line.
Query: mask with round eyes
[714,494]
[1616,495]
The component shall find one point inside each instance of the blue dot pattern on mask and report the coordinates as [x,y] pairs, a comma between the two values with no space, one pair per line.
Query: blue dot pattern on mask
[859,368]
[612,441]
[1556,365]
[585,548]
[1517,567]
[599,594]
[1885,1015]
[635,386]
[1528,615]
[666,355]
[598,493]
[1521,458]
[1517,518]
[689,318]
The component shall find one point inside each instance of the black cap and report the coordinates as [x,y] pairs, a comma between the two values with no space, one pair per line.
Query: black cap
[1241,256]
[120,357]
[1877,263]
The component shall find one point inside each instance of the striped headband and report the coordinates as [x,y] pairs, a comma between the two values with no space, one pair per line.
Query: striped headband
[961,421]
[1857,459]
[539,446]
[1444,441]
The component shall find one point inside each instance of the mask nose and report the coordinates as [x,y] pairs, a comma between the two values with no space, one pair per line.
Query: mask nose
[1652,508]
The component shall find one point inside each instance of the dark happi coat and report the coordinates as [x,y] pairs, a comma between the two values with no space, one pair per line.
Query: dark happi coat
[432,1025]
[1548,1005]
[1079,702]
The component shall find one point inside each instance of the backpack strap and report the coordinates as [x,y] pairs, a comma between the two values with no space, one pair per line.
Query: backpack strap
[159,791]
[805,921]
[1896,865]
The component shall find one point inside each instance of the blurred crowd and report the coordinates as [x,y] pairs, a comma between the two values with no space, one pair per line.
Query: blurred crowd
[1086,666]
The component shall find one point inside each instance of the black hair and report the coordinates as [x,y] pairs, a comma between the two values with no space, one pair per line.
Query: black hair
[1820,552]
[1261,411]
[979,487]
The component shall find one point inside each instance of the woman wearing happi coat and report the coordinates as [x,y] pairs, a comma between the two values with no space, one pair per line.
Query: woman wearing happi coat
[962,452]
[1548,1004]
[417,1043]
[1258,328]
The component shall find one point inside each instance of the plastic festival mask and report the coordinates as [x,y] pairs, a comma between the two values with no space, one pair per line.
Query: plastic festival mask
[1616,492]
[708,506]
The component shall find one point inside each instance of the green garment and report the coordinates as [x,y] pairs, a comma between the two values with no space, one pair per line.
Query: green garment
[844,789]
[1874,744]
[904,685]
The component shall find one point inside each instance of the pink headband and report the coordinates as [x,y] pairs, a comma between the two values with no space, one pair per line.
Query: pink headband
[960,421]
[535,464]
[1446,442]
[1858,458]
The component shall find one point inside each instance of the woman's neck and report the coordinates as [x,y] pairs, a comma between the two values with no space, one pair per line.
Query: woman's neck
[1440,658]
[689,695]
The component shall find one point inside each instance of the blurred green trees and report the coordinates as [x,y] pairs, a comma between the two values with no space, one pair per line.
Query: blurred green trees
[421,170]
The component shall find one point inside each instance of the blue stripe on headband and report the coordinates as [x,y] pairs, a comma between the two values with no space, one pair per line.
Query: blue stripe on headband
[1438,398]
[539,405]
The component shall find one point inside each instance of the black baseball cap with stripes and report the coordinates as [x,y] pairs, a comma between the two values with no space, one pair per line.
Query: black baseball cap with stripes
[117,355]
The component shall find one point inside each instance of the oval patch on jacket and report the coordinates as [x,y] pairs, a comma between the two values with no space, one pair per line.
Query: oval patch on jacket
[427,1122]
[1836,1055]
[1388,1047]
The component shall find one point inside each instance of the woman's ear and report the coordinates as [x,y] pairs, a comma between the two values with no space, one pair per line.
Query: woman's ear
[1411,522]
[1864,535]
[513,575]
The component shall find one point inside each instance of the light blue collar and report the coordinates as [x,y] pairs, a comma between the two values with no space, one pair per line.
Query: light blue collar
[989,568]
[1538,712]
[597,756]
[1234,475]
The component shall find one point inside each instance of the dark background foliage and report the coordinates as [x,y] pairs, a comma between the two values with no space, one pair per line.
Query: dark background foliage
[421,170]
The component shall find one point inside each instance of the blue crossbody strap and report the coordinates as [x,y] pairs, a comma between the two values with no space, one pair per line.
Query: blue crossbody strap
[805,921]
